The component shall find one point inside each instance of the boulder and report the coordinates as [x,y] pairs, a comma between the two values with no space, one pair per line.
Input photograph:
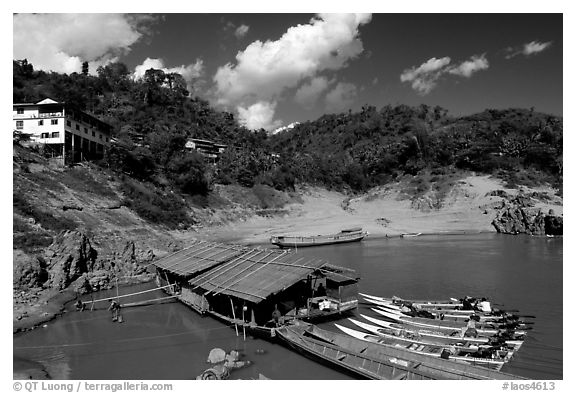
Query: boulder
[554,225]
[99,279]
[68,257]
[517,217]
[29,272]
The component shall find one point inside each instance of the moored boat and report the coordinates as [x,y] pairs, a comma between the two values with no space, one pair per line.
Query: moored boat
[370,360]
[480,356]
[437,336]
[447,314]
[481,330]
[411,234]
[344,236]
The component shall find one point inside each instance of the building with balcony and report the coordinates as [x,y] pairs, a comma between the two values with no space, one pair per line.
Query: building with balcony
[208,149]
[63,131]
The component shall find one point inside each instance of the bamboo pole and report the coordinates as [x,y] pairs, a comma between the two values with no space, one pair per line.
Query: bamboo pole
[244,322]
[234,316]
[143,302]
[129,294]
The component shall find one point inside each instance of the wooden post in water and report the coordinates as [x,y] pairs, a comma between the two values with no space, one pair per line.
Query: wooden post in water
[244,322]
[234,316]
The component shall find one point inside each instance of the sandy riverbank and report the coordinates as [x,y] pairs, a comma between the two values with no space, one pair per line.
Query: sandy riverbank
[382,212]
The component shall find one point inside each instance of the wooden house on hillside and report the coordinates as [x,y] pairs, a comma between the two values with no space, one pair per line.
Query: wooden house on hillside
[62,130]
[244,285]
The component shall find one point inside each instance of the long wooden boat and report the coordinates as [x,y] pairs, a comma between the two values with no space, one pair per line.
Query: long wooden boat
[468,354]
[411,234]
[437,336]
[344,236]
[442,325]
[440,303]
[452,305]
[374,361]
[501,351]
[452,315]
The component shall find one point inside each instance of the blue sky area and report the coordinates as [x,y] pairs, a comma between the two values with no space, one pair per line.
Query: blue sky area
[274,69]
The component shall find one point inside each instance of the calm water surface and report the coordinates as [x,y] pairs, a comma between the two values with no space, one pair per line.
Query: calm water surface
[170,341]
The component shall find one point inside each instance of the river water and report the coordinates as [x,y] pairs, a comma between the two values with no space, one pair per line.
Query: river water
[170,341]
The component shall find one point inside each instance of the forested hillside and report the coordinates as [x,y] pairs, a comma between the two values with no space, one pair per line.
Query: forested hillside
[152,119]
[372,147]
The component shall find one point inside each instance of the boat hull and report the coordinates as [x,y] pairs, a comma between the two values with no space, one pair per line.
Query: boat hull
[375,361]
[314,241]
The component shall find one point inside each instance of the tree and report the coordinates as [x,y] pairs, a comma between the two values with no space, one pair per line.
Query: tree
[189,173]
[115,75]
[85,68]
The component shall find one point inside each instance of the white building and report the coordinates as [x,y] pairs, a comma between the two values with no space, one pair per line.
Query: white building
[63,131]
[209,149]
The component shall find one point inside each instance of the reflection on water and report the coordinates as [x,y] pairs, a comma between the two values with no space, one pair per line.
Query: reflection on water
[170,341]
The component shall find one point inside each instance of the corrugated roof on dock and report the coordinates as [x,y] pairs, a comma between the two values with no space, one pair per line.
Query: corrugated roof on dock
[257,274]
[198,257]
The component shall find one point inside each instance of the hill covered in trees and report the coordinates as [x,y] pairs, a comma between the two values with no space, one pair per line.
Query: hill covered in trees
[372,147]
[153,117]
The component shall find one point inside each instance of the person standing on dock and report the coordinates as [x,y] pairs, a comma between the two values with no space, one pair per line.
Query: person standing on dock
[276,315]
[80,306]
[115,309]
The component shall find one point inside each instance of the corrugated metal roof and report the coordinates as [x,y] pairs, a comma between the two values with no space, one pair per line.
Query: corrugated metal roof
[198,257]
[257,274]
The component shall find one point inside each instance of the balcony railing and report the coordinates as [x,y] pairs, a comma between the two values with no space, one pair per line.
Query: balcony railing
[50,114]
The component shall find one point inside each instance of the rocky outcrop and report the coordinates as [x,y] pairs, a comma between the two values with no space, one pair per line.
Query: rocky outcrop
[29,272]
[68,257]
[553,225]
[72,261]
[517,215]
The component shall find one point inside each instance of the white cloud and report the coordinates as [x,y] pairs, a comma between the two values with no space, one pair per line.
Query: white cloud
[469,67]
[535,47]
[61,42]
[341,97]
[308,93]
[190,72]
[241,31]
[424,78]
[527,49]
[264,70]
[259,115]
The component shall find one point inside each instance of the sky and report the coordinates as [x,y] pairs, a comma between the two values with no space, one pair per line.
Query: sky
[273,69]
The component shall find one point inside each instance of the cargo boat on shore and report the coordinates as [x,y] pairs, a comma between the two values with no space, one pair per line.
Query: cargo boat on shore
[344,236]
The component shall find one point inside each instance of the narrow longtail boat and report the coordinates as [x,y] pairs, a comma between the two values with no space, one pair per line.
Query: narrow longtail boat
[452,305]
[344,236]
[452,315]
[374,361]
[443,325]
[464,354]
[436,336]
[499,351]
[443,303]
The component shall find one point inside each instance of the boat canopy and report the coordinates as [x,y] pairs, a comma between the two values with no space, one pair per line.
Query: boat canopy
[199,257]
[355,229]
